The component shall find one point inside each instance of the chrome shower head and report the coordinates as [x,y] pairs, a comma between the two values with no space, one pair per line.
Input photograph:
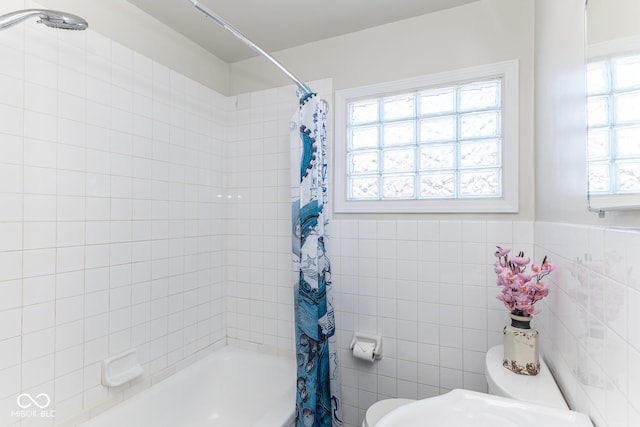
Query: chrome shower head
[62,20]
[50,18]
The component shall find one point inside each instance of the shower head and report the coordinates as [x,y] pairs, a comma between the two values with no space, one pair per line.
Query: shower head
[50,18]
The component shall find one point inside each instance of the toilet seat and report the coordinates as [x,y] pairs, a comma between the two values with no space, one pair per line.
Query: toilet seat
[382,408]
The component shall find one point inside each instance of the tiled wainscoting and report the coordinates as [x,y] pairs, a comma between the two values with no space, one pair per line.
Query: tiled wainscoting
[428,288]
[589,329]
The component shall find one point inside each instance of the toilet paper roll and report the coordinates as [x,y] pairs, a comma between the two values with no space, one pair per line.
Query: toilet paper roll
[364,350]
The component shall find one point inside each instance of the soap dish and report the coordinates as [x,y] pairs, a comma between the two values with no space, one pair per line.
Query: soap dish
[121,368]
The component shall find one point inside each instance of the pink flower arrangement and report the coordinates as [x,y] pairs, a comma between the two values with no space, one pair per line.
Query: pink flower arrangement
[520,289]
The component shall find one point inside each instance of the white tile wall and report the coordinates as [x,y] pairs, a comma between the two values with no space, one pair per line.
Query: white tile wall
[258,222]
[139,208]
[428,288]
[112,234]
[590,332]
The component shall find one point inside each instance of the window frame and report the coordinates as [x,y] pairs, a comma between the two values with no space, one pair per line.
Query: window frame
[608,50]
[507,71]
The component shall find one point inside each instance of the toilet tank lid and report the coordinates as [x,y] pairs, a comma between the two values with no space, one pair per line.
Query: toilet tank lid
[541,389]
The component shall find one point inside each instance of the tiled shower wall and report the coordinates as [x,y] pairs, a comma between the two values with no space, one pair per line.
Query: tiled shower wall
[258,222]
[110,222]
[589,328]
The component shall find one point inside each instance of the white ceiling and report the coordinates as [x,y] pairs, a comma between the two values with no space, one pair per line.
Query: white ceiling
[274,25]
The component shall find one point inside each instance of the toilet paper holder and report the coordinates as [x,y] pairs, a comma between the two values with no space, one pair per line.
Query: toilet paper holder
[368,339]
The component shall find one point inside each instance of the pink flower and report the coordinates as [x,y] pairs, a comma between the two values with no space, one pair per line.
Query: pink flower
[541,289]
[528,309]
[506,299]
[520,261]
[543,269]
[501,252]
[506,277]
[524,277]
[520,289]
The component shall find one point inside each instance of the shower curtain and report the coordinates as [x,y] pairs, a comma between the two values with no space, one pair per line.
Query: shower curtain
[318,400]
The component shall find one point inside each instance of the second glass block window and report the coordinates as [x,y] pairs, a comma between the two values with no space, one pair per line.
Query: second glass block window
[613,119]
[441,143]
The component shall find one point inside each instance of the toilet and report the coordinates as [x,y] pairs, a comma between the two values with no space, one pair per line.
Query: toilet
[540,389]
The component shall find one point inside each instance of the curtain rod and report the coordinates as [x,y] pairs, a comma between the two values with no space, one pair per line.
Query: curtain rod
[303,89]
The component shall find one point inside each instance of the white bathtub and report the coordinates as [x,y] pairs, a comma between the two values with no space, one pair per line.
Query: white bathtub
[229,388]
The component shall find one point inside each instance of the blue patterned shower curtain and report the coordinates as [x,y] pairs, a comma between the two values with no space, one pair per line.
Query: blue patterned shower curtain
[318,400]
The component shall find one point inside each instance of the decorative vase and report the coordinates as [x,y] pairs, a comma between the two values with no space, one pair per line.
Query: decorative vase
[521,346]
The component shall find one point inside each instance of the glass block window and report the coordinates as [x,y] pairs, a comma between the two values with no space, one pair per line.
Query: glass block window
[432,143]
[613,119]
[446,142]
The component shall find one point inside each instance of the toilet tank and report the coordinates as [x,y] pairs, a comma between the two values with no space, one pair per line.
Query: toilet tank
[541,389]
